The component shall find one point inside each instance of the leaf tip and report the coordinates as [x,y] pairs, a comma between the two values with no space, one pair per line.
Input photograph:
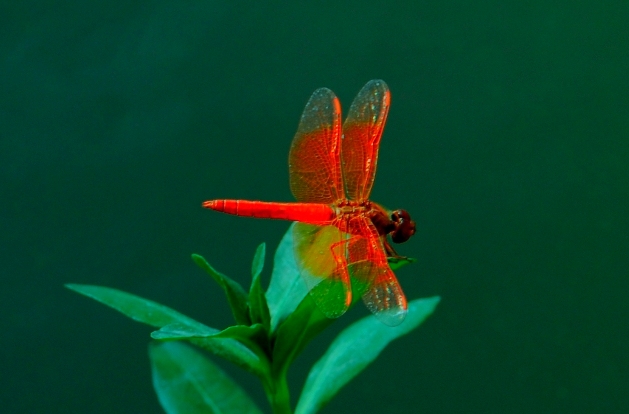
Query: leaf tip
[75,287]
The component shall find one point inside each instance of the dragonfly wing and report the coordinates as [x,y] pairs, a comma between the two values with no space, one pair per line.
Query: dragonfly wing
[362,131]
[373,278]
[314,159]
[320,253]
[385,299]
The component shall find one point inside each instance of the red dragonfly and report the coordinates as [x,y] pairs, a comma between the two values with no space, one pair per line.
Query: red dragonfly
[339,233]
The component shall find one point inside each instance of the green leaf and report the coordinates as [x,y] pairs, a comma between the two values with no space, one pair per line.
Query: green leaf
[236,295]
[258,260]
[135,307]
[187,382]
[252,336]
[243,332]
[180,331]
[258,308]
[154,314]
[306,322]
[399,261]
[352,350]
[286,289]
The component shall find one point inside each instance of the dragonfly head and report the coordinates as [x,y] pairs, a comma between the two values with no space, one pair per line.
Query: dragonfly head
[404,226]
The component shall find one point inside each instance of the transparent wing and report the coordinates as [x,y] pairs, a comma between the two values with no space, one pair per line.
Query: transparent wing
[362,131]
[385,299]
[314,159]
[373,278]
[320,253]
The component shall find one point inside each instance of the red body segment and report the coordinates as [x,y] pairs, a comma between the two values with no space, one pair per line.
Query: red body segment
[303,212]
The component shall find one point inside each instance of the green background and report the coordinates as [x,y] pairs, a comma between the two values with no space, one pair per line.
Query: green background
[507,140]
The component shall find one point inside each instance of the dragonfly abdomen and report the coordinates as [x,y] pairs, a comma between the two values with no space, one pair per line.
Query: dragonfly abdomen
[303,212]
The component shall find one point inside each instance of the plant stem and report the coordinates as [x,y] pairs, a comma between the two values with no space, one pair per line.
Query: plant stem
[278,394]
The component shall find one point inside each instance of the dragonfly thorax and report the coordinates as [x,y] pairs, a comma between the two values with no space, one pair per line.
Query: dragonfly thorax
[344,208]
[397,224]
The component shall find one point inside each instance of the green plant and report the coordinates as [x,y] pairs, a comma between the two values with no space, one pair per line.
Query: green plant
[271,329]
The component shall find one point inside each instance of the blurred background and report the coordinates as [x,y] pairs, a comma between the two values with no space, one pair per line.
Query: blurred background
[507,141]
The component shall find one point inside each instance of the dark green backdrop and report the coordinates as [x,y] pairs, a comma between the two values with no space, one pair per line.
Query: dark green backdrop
[508,141]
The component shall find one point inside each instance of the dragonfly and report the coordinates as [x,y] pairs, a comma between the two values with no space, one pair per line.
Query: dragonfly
[340,237]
